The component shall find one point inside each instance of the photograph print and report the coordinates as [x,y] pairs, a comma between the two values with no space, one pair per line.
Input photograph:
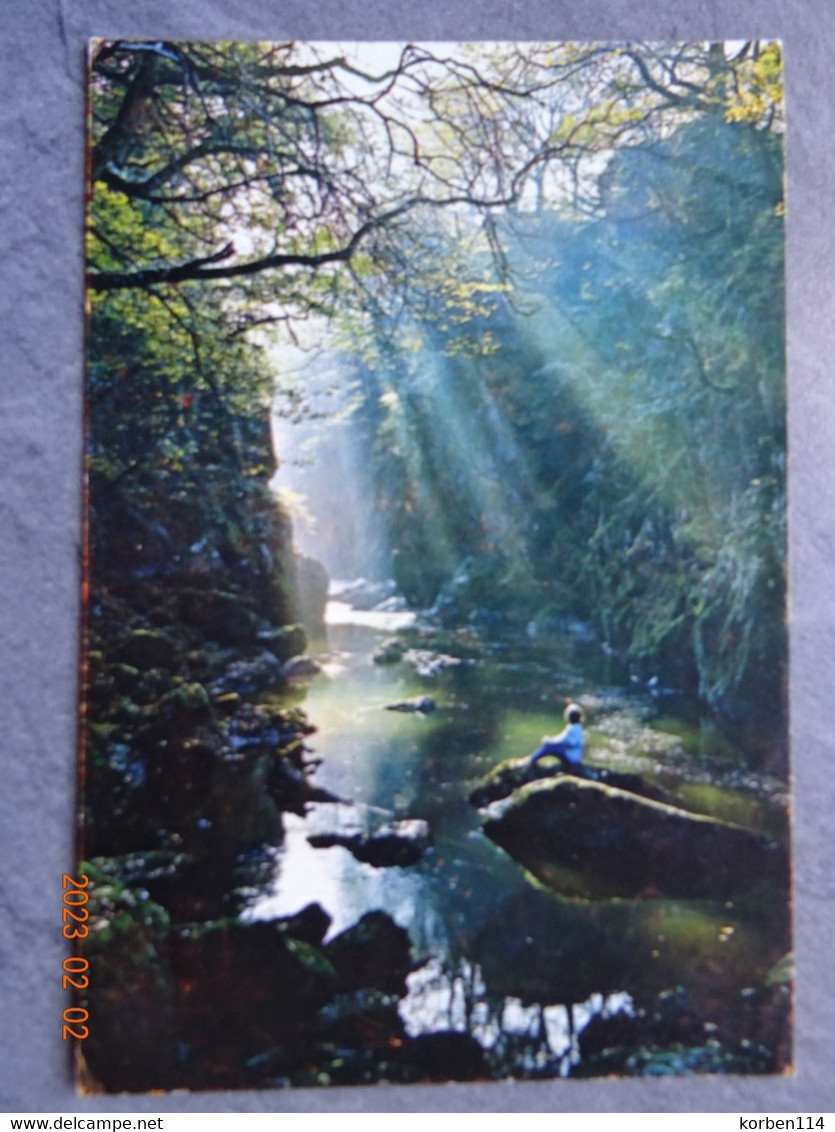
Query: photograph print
[434,716]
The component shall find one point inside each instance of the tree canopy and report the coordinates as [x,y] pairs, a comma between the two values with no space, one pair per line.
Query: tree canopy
[565,260]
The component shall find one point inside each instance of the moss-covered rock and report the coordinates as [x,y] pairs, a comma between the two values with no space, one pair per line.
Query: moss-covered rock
[592,840]
[290,786]
[183,709]
[375,953]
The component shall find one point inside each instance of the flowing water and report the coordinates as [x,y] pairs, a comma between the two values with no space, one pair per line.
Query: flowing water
[516,965]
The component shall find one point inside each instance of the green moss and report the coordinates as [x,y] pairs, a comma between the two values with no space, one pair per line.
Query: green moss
[688,734]
[729,805]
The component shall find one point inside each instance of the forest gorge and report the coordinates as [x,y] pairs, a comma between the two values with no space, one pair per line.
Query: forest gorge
[550,278]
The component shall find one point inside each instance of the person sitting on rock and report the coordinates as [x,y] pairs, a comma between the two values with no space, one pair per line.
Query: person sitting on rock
[568,745]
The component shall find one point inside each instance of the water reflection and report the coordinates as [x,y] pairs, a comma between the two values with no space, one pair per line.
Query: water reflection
[442,998]
[501,957]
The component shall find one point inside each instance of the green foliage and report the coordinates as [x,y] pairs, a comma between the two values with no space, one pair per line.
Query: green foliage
[179,451]
[625,442]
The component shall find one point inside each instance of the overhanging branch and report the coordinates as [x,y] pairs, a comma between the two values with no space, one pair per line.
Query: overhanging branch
[206,267]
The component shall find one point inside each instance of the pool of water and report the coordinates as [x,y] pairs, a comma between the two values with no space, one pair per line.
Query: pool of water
[503,957]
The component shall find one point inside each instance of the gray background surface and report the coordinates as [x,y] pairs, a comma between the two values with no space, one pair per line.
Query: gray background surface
[42,45]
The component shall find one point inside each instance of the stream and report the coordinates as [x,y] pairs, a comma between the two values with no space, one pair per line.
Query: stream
[503,958]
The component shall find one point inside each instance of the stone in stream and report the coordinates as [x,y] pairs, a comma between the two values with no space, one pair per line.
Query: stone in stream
[587,839]
[512,774]
[285,642]
[300,667]
[148,648]
[400,843]
[422,704]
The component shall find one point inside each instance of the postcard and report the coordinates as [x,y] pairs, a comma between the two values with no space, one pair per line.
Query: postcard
[434,720]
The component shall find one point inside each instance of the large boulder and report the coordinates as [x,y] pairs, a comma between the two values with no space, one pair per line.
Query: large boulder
[512,774]
[591,840]
[220,615]
[146,649]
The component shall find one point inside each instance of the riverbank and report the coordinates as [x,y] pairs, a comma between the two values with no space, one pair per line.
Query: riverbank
[222,882]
